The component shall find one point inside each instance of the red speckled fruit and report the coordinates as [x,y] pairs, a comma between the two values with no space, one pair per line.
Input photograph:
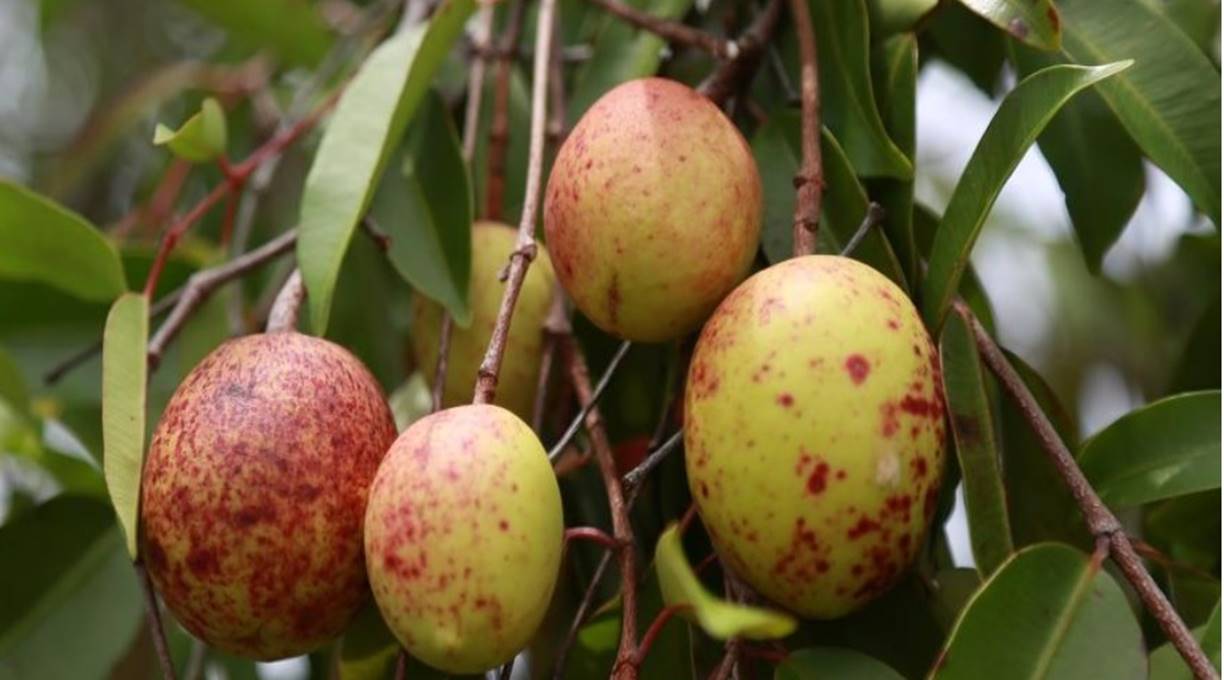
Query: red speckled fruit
[653,210]
[255,489]
[463,537]
[814,433]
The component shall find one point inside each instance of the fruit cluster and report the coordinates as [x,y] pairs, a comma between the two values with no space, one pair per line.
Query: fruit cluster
[276,488]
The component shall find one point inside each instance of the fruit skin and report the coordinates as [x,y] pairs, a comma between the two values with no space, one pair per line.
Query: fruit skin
[814,433]
[254,493]
[653,210]
[492,244]
[463,537]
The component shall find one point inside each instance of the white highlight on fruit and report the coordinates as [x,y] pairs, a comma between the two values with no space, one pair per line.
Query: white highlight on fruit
[888,469]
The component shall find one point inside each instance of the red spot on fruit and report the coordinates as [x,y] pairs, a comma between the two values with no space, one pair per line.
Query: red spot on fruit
[786,400]
[893,324]
[889,422]
[865,525]
[858,368]
[922,408]
[819,479]
[920,467]
[203,562]
[841,474]
[503,525]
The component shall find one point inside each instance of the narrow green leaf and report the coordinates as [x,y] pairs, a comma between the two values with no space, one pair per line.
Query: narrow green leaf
[973,428]
[1021,117]
[718,618]
[202,138]
[621,53]
[848,102]
[1046,613]
[41,240]
[124,371]
[776,148]
[369,121]
[1088,148]
[12,386]
[832,662]
[1168,448]
[894,71]
[294,29]
[1166,662]
[1170,100]
[425,205]
[70,603]
[968,43]
[1033,22]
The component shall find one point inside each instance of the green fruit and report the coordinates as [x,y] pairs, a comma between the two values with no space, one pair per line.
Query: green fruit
[463,537]
[653,210]
[492,244]
[814,433]
[254,494]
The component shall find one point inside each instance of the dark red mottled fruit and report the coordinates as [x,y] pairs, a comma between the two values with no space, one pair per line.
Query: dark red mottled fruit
[814,433]
[255,490]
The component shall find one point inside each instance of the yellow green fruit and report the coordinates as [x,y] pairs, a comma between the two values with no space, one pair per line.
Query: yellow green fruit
[463,537]
[653,210]
[492,244]
[814,433]
[254,494]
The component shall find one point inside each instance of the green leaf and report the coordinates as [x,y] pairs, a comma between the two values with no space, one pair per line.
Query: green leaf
[202,138]
[367,649]
[1033,22]
[294,29]
[1020,118]
[1199,365]
[1166,662]
[621,53]
[895,76]
[1046,613]
[41,240]
[425,205]
[718,618]
[12,386]
[124,371]
[968,43]
[369,121]
[1169,101]
[776,148]
[1168,448]
[1088,148]
[848,103]
[831,662]
[973,429]
[894,16]
[69,605]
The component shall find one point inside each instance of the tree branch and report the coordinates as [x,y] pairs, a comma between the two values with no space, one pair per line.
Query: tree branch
[525,251]
[499,128]
[673,32]
[1101,522]
[635,476]
[155,624]
[809,181]
[600,386]
[728,78]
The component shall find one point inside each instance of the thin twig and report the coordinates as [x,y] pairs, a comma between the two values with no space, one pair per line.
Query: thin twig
[283,317]
[1101,521]
[635,476]
[656,628]
[600,387]
[554,325]
[875,215]
[809,181]
[592,534]
[476,84]
[155,622]
[499,127]
[673,32]
[580,616]
[525,250]
[732,74]
[729,661]
[626,665]
[204,282]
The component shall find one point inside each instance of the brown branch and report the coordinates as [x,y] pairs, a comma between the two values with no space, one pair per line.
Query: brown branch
[283,317]
[592,534]
[635,476]
[555,325]
[733,74]
[729,661]
[656,628]
[600,387]
[673,32]
[153,612]
[809,181]
[476,80]
[584,608]
[525,251]
[204,282]
[626,665]
[499,128]
[1101,521]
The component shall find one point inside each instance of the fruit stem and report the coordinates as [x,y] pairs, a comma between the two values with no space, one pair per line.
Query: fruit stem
[656,627]
[727,79]
[155,621]
[1101,521]
[283,317]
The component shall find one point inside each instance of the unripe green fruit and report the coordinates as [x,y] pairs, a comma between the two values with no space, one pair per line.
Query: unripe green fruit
[254,494]
[653,210]
[814,433]
[492,244]
[463,537]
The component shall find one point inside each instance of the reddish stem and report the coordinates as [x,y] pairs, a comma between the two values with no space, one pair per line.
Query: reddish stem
[591,534]
[656,628]
[809,181]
